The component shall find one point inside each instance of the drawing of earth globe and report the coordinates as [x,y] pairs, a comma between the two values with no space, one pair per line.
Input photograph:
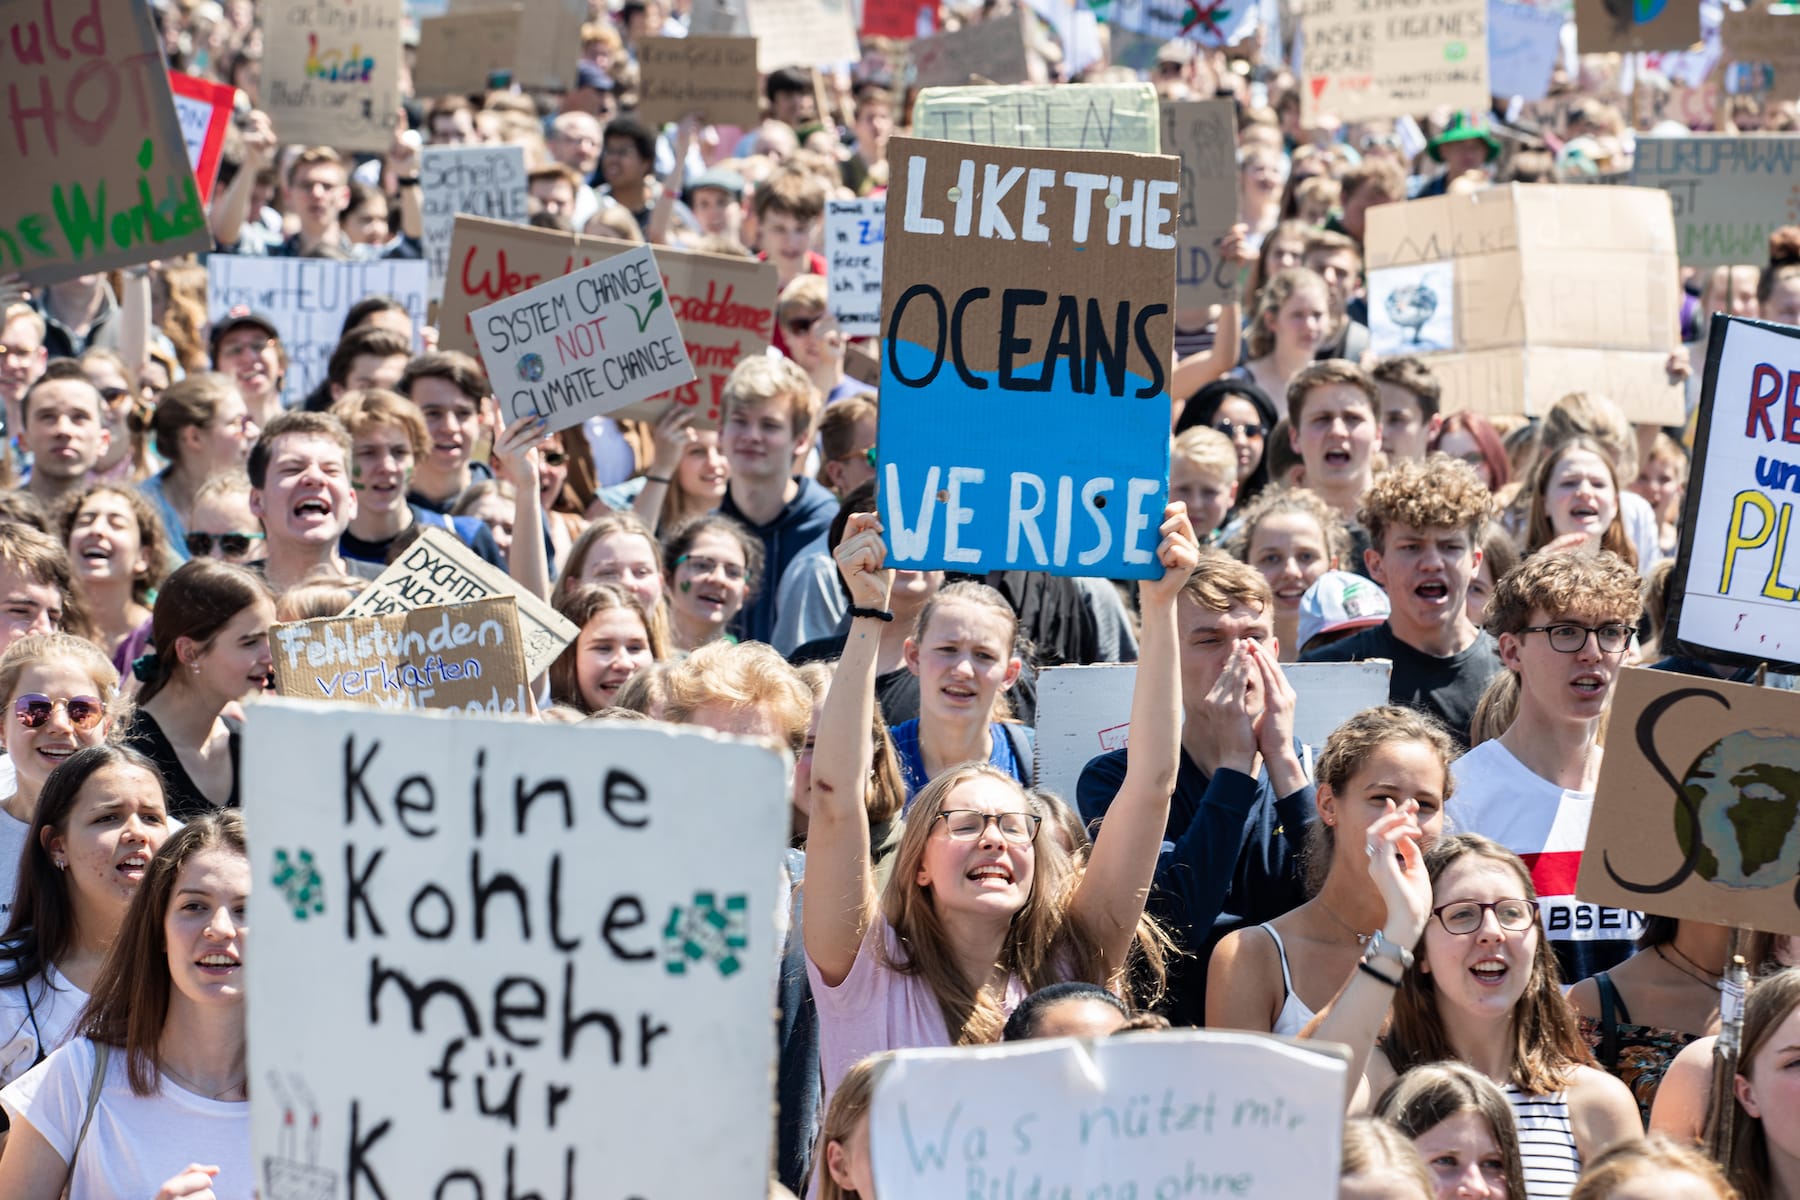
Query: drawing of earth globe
[1745,788]
[531,367]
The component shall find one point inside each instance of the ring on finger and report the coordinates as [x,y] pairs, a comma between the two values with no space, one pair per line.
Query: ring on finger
[1370,847]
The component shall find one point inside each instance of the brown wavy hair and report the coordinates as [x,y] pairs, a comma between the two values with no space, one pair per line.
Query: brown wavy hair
[1425,1097]
[1547,1045]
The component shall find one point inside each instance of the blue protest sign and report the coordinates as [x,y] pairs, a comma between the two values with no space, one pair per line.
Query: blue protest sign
[1026,332]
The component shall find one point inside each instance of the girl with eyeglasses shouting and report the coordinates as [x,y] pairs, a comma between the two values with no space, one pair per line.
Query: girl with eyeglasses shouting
[981,908]
[61,694]
[1467,974]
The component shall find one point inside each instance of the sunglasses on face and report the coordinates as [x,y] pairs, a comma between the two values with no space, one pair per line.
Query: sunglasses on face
[112,395]
[1232,428]
[231,545]
[553,458]
[801,326]
[34,709]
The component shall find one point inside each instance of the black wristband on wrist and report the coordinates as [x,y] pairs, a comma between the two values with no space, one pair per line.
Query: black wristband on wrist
[658,478]
[1366,968]
[878,614]
[407,180]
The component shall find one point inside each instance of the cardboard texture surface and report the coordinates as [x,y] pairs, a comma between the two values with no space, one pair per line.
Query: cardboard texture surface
[1359,62]
[1555,289]
[331,71]
[97,168]
[307,299]
[1757,36]
[1729,193]
[1240,1114]
[204,110]
[546,31]
[594,905]
[1088,116]
[802,33]
[585,344]
[459,52]
[1615,27]
[854,233]
[1697,813]
[466,657]
[719,17]
[1736,591]
[437,569]
[715,76]
[480,181]
[993,50]
[1083,712]
[1022,310]
[725,306]
[1203,135]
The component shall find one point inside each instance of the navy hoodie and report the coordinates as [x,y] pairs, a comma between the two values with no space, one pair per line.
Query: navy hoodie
[804,520]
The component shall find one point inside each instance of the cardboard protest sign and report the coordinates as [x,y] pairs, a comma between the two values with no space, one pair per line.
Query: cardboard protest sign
[802,33]
[1001,403]
[1728,192]
[331,71]
[546,31]
[1186,1113]
[1085,116]
[1359,61]
[1515,296]
[97,173]
[307,299]
[1766,44]
[462,52]
[714,76]
[479,181]
[725,306]
[204,110]
[434,890]
[437,569]
[464,657]
[1736,592]
[1616,27]
[1084,712]
[725,18]
[583,345]
[1697,812]
[855,231]
[1524,46]
[1203,135]
[994,50]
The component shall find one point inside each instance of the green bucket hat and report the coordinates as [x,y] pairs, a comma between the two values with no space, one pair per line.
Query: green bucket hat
[1464,127]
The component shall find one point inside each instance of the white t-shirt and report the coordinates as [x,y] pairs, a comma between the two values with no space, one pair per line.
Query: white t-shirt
[1501,798]
[1641,530]
[13,834]
[54,1004]
[135,1144]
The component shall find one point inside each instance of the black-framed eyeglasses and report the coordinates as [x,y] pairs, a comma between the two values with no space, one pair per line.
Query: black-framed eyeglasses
[34,709]
[231,545]
[1250,429]
[1566,638]
[1463,917]
[967,824]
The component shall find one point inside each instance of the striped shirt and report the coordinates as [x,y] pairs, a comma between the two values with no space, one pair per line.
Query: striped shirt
[1546,1143]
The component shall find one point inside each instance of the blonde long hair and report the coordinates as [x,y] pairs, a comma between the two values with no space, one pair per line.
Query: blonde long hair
[1042,946]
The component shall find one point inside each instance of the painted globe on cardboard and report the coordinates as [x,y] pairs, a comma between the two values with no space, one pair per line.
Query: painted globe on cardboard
[1746,791]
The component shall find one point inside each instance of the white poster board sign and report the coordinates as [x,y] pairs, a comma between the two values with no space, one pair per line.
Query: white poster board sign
[497,956]
[1147,1115]
[307,299]
[854,234]
[585,344]
[478,181]
[1736,591]
[1084,712]
[438,569]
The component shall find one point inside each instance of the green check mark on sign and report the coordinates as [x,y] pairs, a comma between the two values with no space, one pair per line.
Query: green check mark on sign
[643,318]
[1456,51]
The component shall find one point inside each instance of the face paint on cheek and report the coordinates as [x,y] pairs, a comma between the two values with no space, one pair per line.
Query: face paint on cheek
[686,587]
[356,483]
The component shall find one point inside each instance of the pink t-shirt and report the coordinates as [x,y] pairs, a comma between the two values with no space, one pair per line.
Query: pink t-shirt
[877,1008]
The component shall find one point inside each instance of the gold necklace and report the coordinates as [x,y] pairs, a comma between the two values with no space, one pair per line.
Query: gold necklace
[1697,973]
[199,1090]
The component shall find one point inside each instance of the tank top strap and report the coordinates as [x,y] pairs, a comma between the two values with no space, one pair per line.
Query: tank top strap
[1287,979]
